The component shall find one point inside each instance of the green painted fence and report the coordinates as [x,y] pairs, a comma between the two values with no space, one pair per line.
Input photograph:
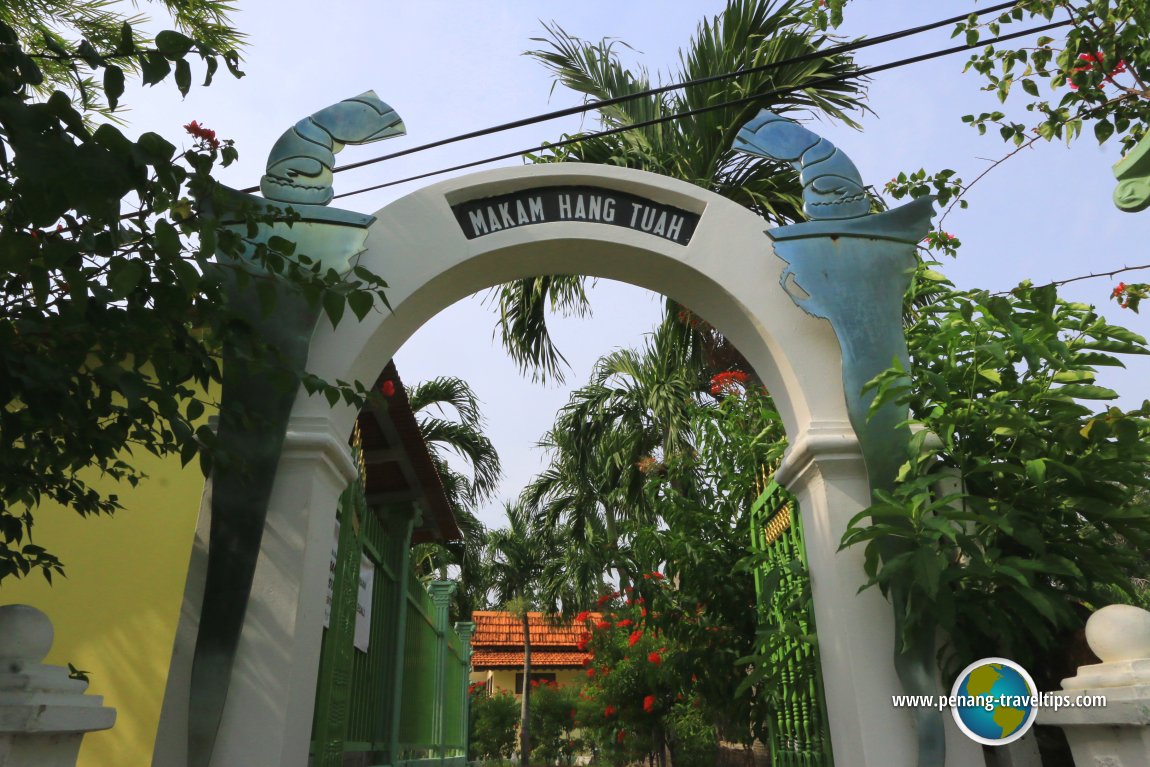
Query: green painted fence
[402,700]
[799,735]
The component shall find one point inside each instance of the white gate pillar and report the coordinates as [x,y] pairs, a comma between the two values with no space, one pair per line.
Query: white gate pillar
[825,471]
[268,715]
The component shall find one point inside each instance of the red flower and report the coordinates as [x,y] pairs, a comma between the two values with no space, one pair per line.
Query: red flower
[590,673]
[655,658]
[206,135]
[636,635]
[1119,290]
[609,711]
[649,703]
[604,599]
[728,382]
[644,611]
[603,625]
[387,388]
[624,623]
[582,616]
[619,736]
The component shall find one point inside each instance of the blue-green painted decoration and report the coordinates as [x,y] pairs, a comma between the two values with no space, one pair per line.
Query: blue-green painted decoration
[853,268]
[1133,173]
[256,401]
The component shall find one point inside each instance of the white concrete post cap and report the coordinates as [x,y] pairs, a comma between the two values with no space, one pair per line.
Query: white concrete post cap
[1119,633]
[25,633]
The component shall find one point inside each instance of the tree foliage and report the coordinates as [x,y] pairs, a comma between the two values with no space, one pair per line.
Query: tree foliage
[112,266]
[1047,511]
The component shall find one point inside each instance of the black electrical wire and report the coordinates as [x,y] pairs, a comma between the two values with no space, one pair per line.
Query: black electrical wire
[736,102]
[593,105]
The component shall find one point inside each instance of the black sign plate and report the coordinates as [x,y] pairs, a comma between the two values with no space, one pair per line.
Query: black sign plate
[544,205]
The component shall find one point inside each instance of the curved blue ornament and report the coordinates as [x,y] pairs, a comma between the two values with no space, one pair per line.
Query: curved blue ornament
[853,268]
[300,163]
[832,186]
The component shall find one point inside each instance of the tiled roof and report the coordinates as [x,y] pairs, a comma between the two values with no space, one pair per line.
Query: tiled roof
[503,630]
[483,659]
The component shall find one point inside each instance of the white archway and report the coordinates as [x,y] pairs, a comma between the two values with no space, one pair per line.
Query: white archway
[726,272]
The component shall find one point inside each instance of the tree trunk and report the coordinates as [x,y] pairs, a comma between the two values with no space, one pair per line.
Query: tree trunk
[525,710]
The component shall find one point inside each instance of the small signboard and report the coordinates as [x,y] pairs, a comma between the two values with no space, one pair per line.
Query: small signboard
[363,604]
[363,596]
[541,205]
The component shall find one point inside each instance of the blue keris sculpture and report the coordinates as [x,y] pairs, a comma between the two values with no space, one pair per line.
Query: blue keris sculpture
[853,269]
[254,408]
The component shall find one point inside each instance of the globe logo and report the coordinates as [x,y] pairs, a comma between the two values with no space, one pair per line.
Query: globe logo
[994,701]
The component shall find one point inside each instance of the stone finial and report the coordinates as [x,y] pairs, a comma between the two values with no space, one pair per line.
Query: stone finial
[1119,633]
[1120,636]
[25,636]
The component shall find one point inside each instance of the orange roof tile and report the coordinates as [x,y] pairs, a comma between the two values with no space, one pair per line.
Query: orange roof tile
[482,659]
[504,630]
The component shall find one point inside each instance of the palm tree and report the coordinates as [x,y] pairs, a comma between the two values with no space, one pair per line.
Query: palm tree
[517,554]
[604,443]
[463,435]
[697,149]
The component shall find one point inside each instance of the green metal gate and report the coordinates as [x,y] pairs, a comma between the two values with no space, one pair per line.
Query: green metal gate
[799,735]
[396,693]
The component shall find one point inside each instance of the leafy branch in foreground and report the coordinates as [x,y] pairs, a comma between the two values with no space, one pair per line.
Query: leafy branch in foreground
[112,267]
[1046,510]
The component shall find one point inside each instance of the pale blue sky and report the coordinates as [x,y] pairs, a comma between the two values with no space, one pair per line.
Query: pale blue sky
[451,66]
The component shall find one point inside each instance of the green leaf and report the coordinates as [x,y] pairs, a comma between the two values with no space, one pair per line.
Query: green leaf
[173,44]
[1103,129]
[361,303]
[154,68]
[1036,470]
[183,76]
[1086,391]
[334,304]
[124,274]
[281,245]
[155,149]
[167,240]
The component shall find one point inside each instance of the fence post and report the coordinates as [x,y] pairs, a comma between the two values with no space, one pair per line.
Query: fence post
[401,520]
[43,712]
[1119,732]
[441,592]
[465,630]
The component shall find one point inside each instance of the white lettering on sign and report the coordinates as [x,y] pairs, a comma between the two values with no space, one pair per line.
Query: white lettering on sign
[539,206]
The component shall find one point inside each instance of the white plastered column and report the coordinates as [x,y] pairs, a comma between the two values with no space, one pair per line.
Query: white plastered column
[727,274]
[267,717]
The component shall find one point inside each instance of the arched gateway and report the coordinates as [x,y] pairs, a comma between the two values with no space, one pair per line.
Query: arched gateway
[449,240]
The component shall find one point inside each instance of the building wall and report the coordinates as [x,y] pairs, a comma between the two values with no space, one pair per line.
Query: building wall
[504,678]
[115,613]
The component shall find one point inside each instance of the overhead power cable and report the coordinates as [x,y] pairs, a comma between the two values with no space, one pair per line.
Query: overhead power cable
[593,105]
[735,102]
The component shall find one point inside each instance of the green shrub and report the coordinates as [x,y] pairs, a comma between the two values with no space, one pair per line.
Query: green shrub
[494,722]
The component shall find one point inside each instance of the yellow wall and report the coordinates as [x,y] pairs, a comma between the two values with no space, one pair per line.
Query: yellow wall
[504,678]
[115,613]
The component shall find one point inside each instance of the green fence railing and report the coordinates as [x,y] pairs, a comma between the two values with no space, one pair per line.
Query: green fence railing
[392,691]
[799,733]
